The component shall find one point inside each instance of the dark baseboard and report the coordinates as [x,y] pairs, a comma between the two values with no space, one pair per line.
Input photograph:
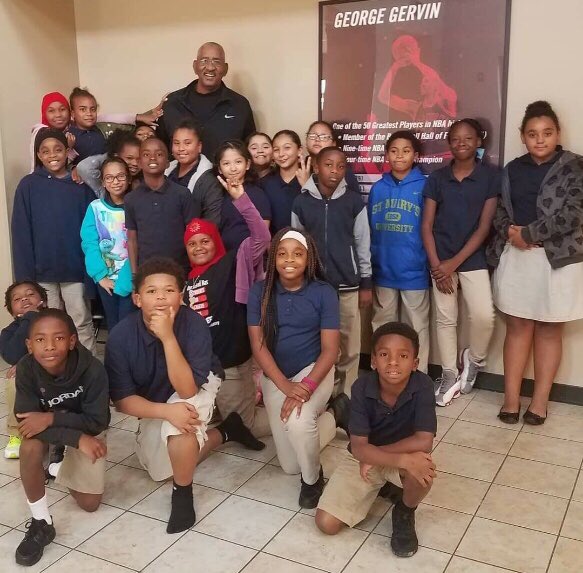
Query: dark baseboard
[495,383]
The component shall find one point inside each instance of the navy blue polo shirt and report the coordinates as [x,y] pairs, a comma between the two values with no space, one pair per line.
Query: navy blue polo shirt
[159,218]
[135,360]
[301,315]
[281,196]
[185,179]
[413,412]
[459,207]
[233,228]
[88,142]
[526,178]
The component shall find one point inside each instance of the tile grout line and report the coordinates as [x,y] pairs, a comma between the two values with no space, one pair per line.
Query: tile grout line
[475,514]
[565,517]
[229,494]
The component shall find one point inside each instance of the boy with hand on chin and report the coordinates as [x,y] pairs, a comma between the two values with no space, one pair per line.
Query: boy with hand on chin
[158,211]
[392,425]
[162,370]
[61,398]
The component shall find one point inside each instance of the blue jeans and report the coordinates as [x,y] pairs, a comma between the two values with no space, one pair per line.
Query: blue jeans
[116,307]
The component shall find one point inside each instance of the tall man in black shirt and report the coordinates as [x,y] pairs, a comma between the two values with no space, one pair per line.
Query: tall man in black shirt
[220,112]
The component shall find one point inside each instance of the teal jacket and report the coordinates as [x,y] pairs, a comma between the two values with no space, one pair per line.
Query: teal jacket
[104,242]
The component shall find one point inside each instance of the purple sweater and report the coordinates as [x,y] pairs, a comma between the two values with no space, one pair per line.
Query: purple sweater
[250,253]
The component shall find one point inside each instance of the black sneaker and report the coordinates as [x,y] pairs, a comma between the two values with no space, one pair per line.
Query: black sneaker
[340,405]
[404,541]
[310,494]
[38,536]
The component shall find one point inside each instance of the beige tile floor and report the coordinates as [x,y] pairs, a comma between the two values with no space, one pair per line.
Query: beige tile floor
[505,499]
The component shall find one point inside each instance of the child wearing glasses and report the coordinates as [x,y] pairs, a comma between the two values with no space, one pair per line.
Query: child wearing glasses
[321,134]
[104,242]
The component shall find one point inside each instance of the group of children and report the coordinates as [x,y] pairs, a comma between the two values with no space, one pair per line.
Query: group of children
[258,263]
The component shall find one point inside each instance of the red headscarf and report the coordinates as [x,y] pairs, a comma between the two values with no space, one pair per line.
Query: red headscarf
[201,226]
[48,99]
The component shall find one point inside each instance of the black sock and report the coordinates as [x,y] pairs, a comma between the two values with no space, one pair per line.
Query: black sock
[401,506]
[182,516]
[233,430]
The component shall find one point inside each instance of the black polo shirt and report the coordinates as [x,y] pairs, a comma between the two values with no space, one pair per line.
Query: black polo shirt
[159,218]
[526,178]
[281,197]
[135,360]
[459,207]
[185,179]
[88,142]
[413,412]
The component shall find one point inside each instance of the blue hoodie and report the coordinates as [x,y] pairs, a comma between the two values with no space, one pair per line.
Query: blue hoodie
[46,220]
[397,254]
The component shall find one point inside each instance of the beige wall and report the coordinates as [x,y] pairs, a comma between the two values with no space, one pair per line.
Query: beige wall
[39,54]
[271,47]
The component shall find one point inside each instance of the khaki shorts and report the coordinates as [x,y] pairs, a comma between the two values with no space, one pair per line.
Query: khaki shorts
[80,474]
[152,435]
[348,497]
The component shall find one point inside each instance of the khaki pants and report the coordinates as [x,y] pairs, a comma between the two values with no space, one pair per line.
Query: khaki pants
[11,421]
[152,435]
[299,440]
[415,307]
[347,366]
[348,497]
[237,394]
[79,473]
[477,293]
[71,298]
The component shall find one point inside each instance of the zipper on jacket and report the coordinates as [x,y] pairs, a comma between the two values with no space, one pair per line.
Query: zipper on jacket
[326,232]
[354,267]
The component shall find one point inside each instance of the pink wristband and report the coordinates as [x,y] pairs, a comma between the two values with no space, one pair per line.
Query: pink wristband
[311,384]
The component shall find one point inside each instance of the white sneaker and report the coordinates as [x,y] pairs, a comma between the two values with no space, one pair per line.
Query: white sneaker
[54,468]
[449,390]
[12,449]
[469,372]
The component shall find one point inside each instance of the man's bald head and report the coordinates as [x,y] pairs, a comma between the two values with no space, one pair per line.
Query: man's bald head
[210,67]
[212,45]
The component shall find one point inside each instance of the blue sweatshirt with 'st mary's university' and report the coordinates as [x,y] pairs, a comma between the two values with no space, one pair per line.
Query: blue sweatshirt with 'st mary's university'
[395,209]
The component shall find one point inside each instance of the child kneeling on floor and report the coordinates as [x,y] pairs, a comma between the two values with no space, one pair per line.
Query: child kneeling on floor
[392,425]
[162,370]
[61,398]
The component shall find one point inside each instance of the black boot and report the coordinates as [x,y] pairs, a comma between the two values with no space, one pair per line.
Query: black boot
[340,406]
[39,534]
[182,515]
[233,430]
[310,494]
[404,541]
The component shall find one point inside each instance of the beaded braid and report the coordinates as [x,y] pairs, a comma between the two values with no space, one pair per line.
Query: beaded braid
[314,270]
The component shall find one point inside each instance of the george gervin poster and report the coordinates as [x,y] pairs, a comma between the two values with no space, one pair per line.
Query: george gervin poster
[386,65]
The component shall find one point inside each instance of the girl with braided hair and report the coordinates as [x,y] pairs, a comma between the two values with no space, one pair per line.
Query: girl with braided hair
[294,320]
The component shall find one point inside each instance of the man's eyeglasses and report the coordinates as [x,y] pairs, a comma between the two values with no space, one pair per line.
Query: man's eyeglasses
[319,137]
[215,61]
[111,178]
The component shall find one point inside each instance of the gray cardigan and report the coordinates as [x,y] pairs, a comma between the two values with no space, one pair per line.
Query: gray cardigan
[559,206]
